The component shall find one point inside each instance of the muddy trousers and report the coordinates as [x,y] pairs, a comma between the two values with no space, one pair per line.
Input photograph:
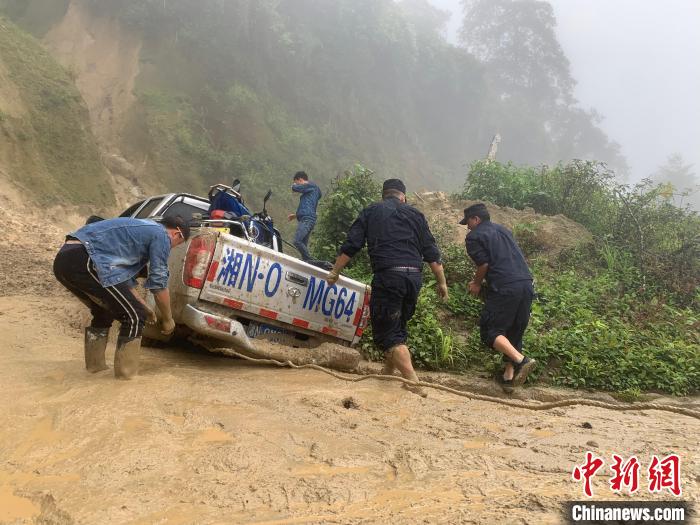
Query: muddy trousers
[74,269]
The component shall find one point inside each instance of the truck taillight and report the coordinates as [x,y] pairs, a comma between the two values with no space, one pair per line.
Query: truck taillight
[364,316]
[223,325]
[199,254]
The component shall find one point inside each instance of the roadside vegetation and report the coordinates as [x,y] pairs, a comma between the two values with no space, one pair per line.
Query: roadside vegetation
[618,314]
[46,134]
[258,89]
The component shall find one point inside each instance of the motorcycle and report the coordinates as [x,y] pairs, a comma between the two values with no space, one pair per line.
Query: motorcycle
[227,204]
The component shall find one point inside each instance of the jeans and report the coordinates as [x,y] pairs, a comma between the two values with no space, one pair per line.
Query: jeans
[301,237]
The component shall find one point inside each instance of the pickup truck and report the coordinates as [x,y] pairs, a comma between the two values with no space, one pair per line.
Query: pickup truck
[229,291]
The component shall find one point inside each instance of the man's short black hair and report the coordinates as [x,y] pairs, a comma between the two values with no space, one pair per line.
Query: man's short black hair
[476,210]
[394,184]
[93,218]
[300,175]
[175,223]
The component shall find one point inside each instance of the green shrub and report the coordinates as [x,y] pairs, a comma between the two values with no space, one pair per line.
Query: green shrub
[586,333]
[338,210]
[525,234]
[592,325]
[639,222]
[431,344]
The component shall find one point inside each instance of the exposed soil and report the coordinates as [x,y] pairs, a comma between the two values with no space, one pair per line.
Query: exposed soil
[104,59]
[550,234]
[201,438]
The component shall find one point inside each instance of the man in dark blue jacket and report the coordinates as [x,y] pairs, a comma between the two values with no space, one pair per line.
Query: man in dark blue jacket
[99,263]
[399,241]
[506,312]
[306,212]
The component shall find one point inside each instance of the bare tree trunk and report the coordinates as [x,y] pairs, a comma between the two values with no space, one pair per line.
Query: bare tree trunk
[491,155]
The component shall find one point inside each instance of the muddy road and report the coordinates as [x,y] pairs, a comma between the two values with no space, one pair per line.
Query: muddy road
[199,438]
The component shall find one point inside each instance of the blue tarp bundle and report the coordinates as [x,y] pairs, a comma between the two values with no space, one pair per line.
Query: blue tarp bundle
[226,202]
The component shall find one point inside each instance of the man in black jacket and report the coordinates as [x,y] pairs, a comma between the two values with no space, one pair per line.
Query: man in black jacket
[398,241]
[506,312]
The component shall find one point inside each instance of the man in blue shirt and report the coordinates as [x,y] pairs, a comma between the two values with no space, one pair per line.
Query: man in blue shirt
[99,263]
[306,212]
[506,312]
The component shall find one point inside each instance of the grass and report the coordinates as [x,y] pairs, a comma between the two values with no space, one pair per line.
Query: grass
[56,156]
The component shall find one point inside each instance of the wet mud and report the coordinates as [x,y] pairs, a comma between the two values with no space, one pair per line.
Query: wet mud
[198,437]
[201,438]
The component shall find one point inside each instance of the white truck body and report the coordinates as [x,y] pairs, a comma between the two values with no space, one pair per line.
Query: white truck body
[231,291]
[273,286]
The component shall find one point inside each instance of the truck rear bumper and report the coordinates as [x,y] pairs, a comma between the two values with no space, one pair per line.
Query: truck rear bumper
[218,327]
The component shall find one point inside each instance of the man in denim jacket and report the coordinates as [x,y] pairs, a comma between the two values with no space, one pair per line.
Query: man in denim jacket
[306,212]
[99,263]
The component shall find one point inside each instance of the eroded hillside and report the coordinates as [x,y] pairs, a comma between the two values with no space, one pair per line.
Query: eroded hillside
[46,145]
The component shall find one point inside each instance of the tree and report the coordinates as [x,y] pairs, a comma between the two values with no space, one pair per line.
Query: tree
[530,74]
[424,17]
[517,39]
[684,185]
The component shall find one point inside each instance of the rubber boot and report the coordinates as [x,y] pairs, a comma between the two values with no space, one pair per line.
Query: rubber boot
[126,358]
[389,368]
[95,346]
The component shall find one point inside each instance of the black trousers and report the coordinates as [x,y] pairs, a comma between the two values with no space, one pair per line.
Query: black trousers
[74,269]
[392,305]
[507,312]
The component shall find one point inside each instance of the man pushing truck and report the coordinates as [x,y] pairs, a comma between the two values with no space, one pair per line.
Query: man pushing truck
[398,241]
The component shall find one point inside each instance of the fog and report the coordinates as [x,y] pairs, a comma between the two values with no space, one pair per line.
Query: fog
[637,64]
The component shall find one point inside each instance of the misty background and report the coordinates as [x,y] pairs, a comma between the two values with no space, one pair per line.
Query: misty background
[635,63]
[182,94]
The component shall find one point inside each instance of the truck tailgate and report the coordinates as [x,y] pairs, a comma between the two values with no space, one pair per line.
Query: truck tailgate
[259,281]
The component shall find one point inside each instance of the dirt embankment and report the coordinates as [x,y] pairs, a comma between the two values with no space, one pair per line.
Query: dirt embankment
[550,234]
[11,107]
[29,242]
[104,60]
[200,438]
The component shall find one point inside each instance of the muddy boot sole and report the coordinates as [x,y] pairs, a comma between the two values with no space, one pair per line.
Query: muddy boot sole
[522,371]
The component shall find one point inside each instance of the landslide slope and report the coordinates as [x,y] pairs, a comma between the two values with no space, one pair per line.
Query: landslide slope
[545,235]
[47,149]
